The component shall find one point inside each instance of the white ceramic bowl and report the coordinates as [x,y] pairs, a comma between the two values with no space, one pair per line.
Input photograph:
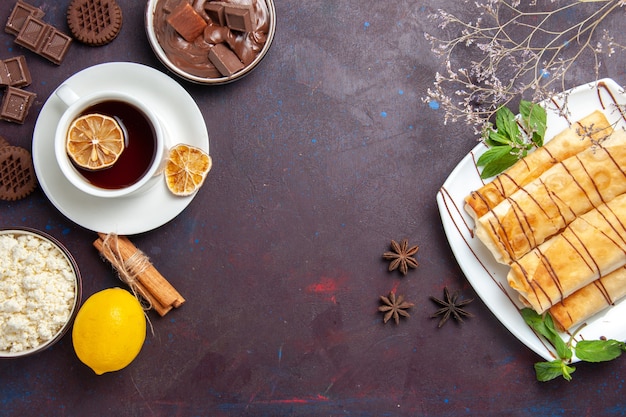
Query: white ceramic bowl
[75,303]
[163,57]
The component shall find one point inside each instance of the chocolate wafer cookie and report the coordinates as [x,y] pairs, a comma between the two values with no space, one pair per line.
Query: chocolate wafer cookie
[94,22]
[17,175]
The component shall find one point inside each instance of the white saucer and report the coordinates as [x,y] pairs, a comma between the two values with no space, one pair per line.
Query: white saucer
[128,215]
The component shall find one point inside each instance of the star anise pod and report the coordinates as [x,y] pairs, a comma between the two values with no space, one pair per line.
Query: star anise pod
[394,307]
[402,256]
[451,306]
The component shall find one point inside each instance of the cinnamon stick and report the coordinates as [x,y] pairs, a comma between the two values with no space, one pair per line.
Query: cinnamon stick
[149,282]
[154,303]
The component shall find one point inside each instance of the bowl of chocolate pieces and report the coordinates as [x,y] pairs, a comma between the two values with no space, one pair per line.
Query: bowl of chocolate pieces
[210,42]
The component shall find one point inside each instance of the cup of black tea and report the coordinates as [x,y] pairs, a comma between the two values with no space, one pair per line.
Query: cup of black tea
[138,164]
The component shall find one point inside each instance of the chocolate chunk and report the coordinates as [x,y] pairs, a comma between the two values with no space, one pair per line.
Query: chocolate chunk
[5,78]
[187,22]
[14,72]
[215,11]
[238,17]
[225,60]
[17,175]
[18,16]
[56,46]
[32,34]
[43,39]
[15,104]
[170,5]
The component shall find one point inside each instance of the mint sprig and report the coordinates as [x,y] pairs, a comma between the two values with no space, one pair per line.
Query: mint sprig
[512,137]
[586,350]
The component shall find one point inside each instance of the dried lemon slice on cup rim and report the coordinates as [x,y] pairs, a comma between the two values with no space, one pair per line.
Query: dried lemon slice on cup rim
[94,141]
[186,169]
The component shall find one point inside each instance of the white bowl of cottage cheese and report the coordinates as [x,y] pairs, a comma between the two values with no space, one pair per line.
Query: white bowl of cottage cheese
[40,291]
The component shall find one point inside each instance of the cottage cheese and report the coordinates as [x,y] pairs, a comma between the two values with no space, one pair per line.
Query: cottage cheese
[37,291]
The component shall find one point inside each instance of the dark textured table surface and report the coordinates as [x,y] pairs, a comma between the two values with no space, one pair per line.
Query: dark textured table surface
[322,156]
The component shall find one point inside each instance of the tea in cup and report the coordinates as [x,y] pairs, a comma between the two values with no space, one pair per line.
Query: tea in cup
[139,161]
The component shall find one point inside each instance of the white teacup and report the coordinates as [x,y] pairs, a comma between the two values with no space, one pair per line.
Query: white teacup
[127,176]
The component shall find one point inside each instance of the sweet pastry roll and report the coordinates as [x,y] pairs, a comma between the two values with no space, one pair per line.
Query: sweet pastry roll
[590,247]
[579,136]
[553,200]
[589,300]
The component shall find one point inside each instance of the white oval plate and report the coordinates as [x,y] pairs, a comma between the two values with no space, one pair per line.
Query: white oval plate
[128,215]
[487,277]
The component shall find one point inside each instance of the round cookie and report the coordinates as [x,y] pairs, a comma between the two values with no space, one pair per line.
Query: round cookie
[17,175]
[94,22]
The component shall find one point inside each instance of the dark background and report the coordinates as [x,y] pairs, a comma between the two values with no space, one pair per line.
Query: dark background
[321,156]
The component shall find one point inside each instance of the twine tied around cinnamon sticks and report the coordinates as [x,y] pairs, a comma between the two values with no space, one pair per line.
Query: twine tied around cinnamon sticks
[135,269]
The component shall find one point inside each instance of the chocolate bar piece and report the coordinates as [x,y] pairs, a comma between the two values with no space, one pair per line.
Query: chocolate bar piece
[187,22]
[238,17]
[215,11]
[43,39]
[5,78]
[15,104]
[56,46]
[225,60]
[18,16]
[170,5]
[14,72]
[32,34]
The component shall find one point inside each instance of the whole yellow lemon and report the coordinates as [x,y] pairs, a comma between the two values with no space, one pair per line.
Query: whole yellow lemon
[109,330]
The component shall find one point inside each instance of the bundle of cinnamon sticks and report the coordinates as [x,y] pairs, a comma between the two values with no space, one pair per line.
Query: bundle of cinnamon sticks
[146,280]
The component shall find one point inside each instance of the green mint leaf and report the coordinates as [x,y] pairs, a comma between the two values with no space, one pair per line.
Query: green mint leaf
[514,132]
[505,123]
[562,349]
[525,109]
[547,371]
[535,321]
[534,119]
[506,143]
[599,350]
[493,154]
[537,139]
[497,166]
[567,370]
[497,139]
[539,120]
[544,325]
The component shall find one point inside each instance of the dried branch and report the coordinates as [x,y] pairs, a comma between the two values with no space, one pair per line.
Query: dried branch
[511,52]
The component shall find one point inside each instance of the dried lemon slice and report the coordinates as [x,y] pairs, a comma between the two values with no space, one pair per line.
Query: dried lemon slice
[186,168]
[94,141]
